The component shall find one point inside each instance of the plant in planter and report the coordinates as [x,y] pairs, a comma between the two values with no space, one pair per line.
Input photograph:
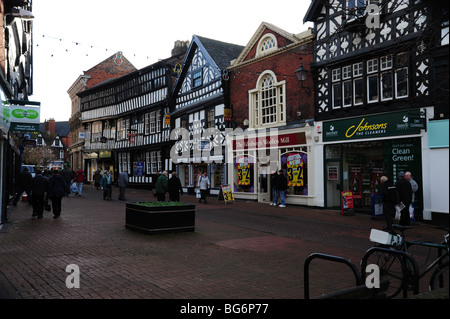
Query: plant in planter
[156,217]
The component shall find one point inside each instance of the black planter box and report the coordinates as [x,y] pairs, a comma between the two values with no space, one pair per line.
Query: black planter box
[159,219]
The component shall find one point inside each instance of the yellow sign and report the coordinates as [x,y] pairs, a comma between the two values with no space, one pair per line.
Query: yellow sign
[167,119]
[227,193]
[243,171]
[294,169]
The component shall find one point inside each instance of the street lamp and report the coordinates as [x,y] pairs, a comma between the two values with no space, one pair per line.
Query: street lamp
[301,76]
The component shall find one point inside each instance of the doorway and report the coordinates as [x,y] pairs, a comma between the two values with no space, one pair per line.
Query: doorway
[264,186]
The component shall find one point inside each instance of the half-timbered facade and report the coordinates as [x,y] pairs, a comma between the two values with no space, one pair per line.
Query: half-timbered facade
[197,112]
[124,122]
[273,117]
[375,83]
[115,66]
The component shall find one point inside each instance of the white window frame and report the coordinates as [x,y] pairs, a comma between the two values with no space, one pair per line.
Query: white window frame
[397,95]
[152,122]
[256,99]
[263,48]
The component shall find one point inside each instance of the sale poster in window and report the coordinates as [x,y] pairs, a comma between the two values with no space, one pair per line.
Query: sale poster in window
[294,169]
[243,171]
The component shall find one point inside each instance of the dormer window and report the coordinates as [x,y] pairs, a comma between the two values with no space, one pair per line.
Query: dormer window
[197,78]
[358,8]
[267,44]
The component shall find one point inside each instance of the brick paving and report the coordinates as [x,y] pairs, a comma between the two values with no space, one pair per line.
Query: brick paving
[244,250]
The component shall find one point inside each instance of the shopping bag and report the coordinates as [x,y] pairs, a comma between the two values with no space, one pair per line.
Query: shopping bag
[47,206]
[411,213]
[198,194]
[74,188]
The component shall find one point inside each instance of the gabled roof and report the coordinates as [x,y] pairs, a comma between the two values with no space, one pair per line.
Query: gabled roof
[291,39]
[221,52]
[108,69]
[218,53]
[61,128]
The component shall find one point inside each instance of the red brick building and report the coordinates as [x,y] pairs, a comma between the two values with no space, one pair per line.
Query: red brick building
[276,113]
[113,67]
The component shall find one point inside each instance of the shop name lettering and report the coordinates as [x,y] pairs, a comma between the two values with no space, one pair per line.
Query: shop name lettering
[262,142]
[366,129]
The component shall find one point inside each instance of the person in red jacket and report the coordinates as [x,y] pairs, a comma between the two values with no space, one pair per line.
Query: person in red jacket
[79,179]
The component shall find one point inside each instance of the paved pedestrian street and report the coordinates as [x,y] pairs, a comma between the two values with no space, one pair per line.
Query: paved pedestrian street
[243,250]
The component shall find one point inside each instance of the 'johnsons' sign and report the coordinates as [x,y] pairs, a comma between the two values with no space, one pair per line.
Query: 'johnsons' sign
[387,124]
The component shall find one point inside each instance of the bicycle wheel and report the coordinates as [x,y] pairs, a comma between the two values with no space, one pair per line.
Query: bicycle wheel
[390,269]
[440,277]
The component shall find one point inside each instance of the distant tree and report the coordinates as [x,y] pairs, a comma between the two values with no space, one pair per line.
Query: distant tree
[39,156]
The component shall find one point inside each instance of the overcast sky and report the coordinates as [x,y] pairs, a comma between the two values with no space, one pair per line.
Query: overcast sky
[73,37]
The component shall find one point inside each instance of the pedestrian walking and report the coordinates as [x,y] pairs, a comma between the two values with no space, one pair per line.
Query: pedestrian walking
[79,179]
[415,188]
[405,195]
[162,186]
[203,184]
[390,200]
[57,188]
[23,184]
[39,187]
[175,189]
[67,174]
[123,182]
[273,184]
[106,184]
[97,179]
[281,186]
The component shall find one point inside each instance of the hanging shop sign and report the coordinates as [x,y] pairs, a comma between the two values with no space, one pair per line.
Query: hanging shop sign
[24,128]
[25,114]
[387,124]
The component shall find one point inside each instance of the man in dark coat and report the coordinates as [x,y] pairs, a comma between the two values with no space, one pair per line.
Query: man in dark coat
[23,184]
[390,199]
[281,186]
[39,187]
[57,189]
[175,189]
[405,194]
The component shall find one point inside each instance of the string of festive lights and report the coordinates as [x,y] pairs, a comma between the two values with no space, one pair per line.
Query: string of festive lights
[67,46]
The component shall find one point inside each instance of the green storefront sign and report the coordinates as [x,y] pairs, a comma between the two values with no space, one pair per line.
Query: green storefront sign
[24,128]
[374,126]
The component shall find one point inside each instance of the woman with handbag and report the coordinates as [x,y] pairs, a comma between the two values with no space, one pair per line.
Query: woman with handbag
[203,184]
[106,184]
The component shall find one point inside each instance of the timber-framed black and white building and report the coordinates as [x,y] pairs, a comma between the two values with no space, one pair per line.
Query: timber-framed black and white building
[380,75]
[124,122]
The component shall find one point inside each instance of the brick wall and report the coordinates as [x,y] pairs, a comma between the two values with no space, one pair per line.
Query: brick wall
[283,65]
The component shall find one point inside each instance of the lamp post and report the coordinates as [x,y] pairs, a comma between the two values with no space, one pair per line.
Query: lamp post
[301,76]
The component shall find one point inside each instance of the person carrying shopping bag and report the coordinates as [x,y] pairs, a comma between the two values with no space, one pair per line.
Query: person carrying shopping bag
[203,184]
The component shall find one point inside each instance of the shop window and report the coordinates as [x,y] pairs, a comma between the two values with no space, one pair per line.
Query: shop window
[295,164]
[243,172]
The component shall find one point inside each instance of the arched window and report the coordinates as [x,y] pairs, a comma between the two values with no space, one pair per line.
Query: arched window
[267,44]
[267,101]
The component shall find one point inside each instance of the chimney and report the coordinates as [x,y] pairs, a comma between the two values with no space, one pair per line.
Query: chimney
[180,47]
[51,126]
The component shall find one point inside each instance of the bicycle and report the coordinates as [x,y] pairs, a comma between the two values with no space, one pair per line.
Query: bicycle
[395,259]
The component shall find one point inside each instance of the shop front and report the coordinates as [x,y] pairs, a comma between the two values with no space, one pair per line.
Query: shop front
[256,156]
[359,150]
